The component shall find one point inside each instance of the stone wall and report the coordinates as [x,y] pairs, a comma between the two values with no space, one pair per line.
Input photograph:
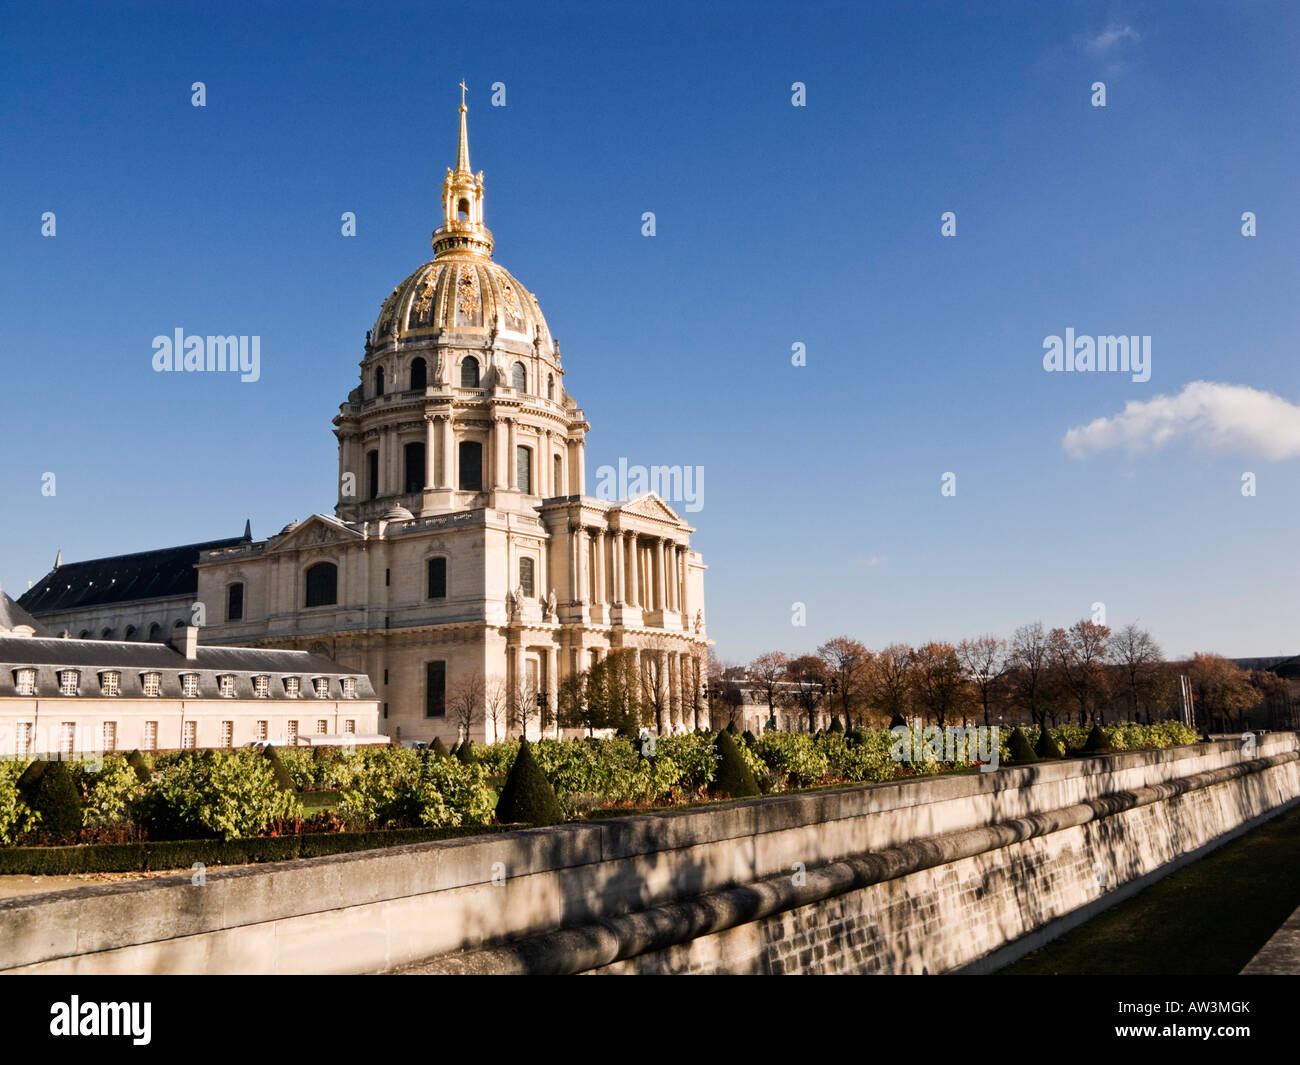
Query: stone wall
[929,875]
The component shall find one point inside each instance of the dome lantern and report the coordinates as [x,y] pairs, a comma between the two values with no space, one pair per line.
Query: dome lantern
[462,233]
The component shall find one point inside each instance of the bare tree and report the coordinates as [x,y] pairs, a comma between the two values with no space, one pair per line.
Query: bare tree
[656,679]
[1030,660]
[986,662]
[1138,657]
[939,683]
[523,704]
[849,663]
[768,673]
[465,703]
[891,680]
[1079,657]
[496,705]
[807,677]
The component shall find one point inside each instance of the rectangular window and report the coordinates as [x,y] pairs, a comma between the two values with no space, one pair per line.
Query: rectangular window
[262,686]
[150,736]
[25,681]
[69,681]
[152,684]
[261,730]
[435,689]
[67,736]
[291,687]
[23,742]
[349,687]
[372,474]
[109,736]
[414,457]
[226,685]
[349,726]
[110,682]
[190,735]
[526,577]
[227,733]
[322,685]
[235,603]
[470,464]
[322,726]
[190,685]
[524,469]
[291,731]
[437,578]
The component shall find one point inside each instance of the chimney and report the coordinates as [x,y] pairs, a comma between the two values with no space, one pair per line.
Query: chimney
[186,641]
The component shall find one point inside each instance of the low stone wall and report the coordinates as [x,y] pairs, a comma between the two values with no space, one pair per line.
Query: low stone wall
[927,875]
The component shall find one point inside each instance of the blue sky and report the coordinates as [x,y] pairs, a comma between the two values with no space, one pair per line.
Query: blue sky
[775,224]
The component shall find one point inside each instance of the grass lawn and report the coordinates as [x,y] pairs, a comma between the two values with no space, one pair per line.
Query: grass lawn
[1208,918]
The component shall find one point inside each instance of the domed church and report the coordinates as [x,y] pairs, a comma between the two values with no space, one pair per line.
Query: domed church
[463,569]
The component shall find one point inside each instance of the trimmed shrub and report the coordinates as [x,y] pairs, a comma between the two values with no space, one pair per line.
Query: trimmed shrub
[854,737]
[898,721]
[794,756]
[731,728]
[16,817]
[465,753]
[733,778]
[140,764]
[749,738]
[1021,753]
[283,780]
[438,749]
[230,794]
[56,798]
[835,725]
[1096,743]
[30,776]
[527,797]
[1046,747]
[111,794]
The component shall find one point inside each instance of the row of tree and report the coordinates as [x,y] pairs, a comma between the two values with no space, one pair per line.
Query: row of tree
[1041,676]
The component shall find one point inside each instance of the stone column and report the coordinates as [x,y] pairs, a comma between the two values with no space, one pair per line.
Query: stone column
[512,460]
[580,457]
[573,561]
[546,475]
[448,454]
[661,583]
[602,591]
[499,457]
[616,564]
[553,684]
[633,596]
[430,451]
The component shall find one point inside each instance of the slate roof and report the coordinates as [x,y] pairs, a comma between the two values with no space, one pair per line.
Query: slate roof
[160,574]
[12,616]
[48,655]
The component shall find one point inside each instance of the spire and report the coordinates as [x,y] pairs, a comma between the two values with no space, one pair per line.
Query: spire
[462,146]
[58,558]
[462,234]
[248,530]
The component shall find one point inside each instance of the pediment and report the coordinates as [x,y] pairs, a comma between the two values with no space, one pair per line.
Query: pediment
[317,530]
[649,506]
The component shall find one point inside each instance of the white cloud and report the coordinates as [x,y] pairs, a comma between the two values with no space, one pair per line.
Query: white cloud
[1209,415]
[870,562]
[1109,37]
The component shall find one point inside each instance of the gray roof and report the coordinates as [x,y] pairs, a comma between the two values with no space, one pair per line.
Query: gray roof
[13,616]
[48,655]
[166,573]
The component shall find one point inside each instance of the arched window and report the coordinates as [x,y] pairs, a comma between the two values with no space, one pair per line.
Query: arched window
[86,634]
[419,374]
[462,211]
[519,378]
[130,633]
[372,474]
[107,634]
[524,469]
[558,486]
[550,386]
[526,577]
[414,454]
[155,632]
[469,372]
[470,464]
[379,381]
[322,584]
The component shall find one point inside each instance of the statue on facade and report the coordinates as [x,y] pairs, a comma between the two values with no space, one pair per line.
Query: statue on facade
[549,611]
[699,620]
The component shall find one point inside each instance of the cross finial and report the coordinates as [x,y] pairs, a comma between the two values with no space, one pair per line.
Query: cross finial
[462,93]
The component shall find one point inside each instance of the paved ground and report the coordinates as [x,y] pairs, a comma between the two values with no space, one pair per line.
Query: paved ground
[1280,956]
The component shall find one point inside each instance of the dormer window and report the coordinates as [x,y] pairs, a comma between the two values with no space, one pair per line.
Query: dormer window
[152,684]
[190,685]
[226,685]
[110,682]
[349,687]
[69,681]
[25,681]
[291,687]
[322,686]
[262,687]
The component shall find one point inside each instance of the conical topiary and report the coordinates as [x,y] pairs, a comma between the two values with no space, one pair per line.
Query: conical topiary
[439,749]
[836,726]
[898,721]
[854,737]
[465,753]
[57,799]
[1046,746]
[140,764]
[1018,746]
[731,727]
[283,780]
[527,796]
[30,778]
[749,738]
[733,778]
[1096,741]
